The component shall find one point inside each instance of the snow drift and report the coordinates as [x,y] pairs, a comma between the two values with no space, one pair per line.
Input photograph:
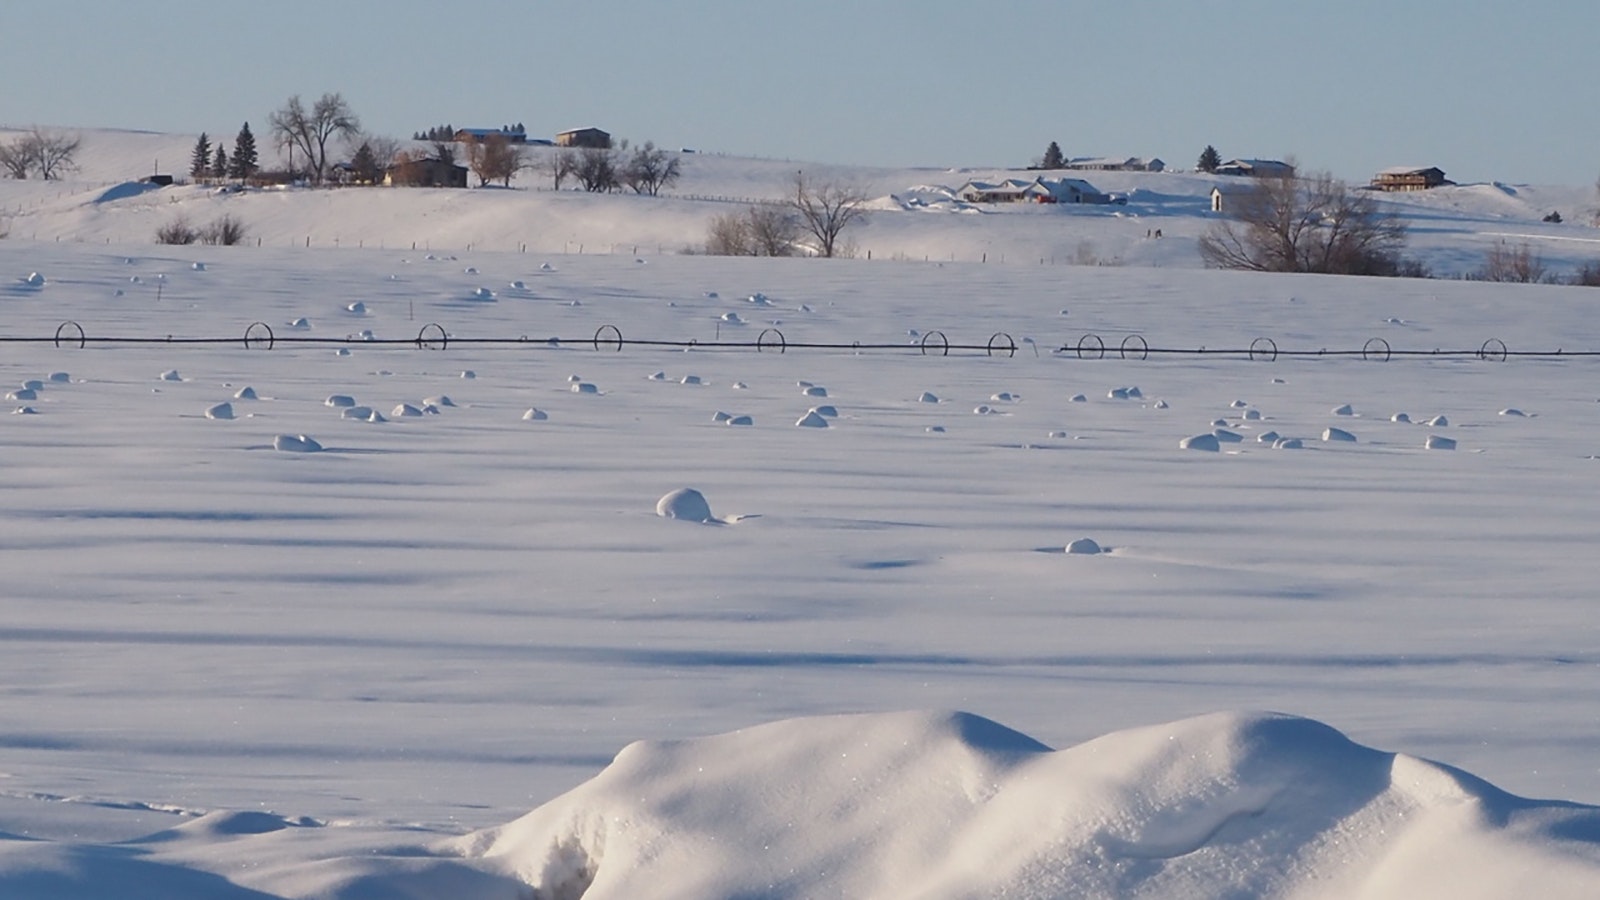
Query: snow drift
[908,805]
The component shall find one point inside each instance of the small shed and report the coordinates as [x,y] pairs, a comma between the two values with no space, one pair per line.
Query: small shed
[1222,197]
[584,137]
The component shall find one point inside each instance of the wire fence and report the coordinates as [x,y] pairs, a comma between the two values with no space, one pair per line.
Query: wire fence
[1090,346]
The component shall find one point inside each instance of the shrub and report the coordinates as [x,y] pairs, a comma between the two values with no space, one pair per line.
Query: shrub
[1519,265]
[226,231]
[178,231]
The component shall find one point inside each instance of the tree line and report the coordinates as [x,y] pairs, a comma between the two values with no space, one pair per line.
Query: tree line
[245,162]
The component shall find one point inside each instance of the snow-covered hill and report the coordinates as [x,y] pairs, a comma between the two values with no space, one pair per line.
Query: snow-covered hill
[914,217]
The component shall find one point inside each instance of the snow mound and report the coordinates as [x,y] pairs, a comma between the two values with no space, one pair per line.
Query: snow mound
[34,279]
[1207,442]
[1438,442]
[1338,434]
[686,504]
[295,443]
[23,394]
[125,190]
[1345,410]
[535,415]
[246,393]
[812,419]
[928,397]
[340,401]
[1084,547]
[928,804]
[220,411]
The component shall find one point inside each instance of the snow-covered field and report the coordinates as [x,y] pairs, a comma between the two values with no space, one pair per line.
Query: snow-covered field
[238,666]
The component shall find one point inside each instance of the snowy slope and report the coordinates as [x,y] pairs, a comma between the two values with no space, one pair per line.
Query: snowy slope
[1452,227]
[239,669]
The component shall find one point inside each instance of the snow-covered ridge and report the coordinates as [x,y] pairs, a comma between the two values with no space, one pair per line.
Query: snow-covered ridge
[916,215]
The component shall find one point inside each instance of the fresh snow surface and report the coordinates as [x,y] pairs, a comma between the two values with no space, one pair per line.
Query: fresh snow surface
[403,665]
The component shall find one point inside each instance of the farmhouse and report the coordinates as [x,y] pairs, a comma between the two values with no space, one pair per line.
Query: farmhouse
[1410,178]
[584,137]
[1039,190]
[1109,164]
[1256,168]
[424,172]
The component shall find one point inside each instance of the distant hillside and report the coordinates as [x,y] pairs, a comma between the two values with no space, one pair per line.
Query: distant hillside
[915,215]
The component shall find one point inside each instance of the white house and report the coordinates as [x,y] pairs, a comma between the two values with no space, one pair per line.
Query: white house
[1039,190]
[1109,164]
[1256,168]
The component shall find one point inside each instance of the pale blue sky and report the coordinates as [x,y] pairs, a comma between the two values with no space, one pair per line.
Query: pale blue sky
[1485,90]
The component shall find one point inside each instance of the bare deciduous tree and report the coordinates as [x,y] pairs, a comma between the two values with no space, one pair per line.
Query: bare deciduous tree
[1311,224]
[50,153]
[494,158]
[56,153]
[597,170]
[559,165]
[827,209]
[1519,265]
[728,236]
[309,132]
[383,148]
[650,169]
[764,230]
[16,158]
[773,230]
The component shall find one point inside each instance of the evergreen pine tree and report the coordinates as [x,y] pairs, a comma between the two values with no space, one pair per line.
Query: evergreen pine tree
[1209,159]
[200,160]
[219,169]
[1053,158]
[244,154]
[365,165]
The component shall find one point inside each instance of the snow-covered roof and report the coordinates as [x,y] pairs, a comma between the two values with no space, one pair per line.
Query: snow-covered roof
[1410,170]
